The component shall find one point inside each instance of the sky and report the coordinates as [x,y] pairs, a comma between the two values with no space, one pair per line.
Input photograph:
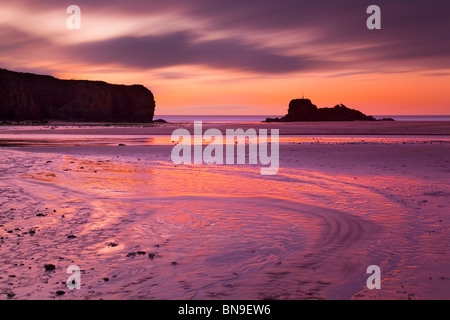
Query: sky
[242,57]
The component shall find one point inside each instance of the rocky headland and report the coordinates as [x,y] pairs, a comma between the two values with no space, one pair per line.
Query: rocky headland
[26,96]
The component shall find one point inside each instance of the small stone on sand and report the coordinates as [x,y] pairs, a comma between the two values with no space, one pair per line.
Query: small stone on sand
[49,267]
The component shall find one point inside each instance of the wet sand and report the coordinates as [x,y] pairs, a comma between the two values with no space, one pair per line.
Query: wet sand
[141,227]
[292,128]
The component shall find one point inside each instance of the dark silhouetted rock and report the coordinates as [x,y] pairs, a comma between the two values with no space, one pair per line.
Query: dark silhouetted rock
[133,254]
[301,110]
[49,267]
[304,110]
[272,120]
[25,96]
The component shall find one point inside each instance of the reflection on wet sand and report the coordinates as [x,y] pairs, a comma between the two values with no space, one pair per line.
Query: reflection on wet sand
[231,235]
[155,230]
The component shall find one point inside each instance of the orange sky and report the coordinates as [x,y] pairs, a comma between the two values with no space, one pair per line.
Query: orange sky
[241,58]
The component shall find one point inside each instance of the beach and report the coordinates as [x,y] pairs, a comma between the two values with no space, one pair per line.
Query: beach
[110,200]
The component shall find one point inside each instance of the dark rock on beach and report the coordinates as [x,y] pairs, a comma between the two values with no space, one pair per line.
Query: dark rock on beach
[26,96]
[133,254]
[49,267]
[10,295]
[305,110]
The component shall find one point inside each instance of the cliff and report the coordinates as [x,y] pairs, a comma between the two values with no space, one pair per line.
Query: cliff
[304,110]
[25,96]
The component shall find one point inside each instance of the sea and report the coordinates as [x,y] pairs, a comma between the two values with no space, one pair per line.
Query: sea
[259,118]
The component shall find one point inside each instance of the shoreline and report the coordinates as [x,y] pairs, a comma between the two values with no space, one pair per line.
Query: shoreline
[294,128]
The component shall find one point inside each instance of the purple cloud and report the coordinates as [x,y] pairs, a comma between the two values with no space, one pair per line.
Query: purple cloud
[414,34]
[184,48]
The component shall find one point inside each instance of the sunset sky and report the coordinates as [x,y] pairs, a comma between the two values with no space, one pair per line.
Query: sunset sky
[242,57]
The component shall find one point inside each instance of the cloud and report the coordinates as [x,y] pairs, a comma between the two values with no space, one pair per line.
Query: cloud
[324,35]
[184,48]
[14,41]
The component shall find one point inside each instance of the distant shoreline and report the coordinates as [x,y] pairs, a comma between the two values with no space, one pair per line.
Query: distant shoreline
[352,128]
[255,118]
[219,119]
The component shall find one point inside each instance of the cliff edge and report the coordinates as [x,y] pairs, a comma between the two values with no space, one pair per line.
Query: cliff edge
[26,96]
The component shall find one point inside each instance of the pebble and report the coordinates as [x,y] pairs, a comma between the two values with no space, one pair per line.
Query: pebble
[132,254]
[49,267]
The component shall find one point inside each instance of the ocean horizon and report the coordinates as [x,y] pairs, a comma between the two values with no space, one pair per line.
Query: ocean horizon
[259,118]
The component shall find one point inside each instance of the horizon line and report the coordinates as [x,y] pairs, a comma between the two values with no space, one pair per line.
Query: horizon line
[265,115]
